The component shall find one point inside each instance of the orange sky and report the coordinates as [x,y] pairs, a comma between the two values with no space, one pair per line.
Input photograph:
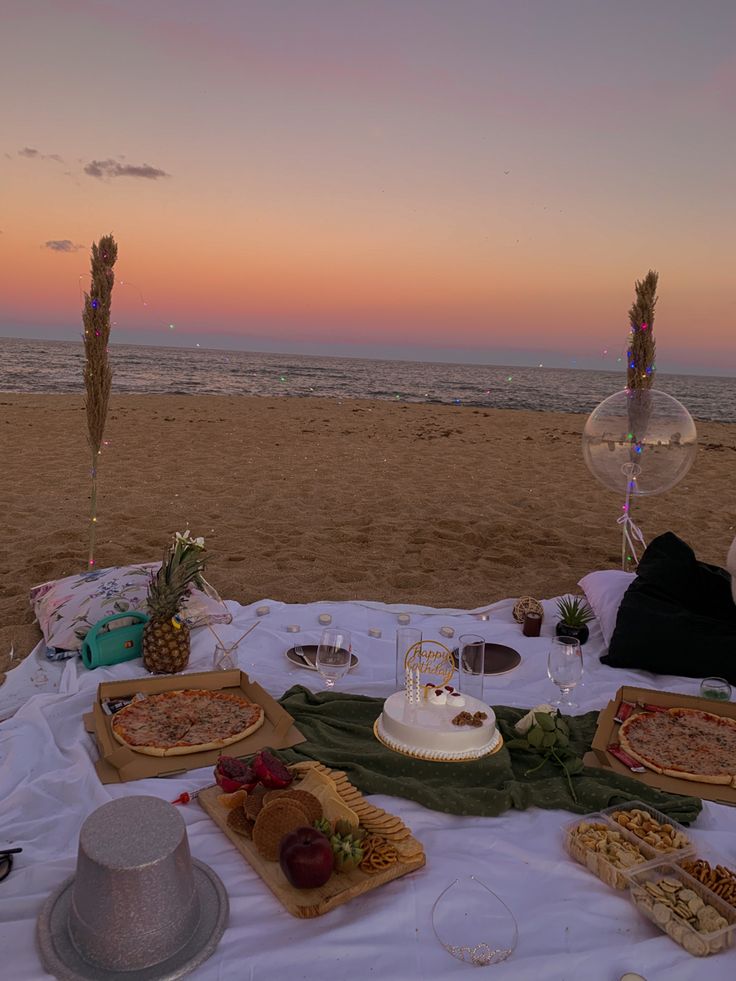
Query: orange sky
[380,174]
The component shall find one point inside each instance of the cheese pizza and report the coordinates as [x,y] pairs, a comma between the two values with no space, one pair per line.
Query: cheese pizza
[173,723]
[684,743]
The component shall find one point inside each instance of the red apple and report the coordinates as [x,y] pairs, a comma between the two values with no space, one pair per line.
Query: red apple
[306,858]
[232,774]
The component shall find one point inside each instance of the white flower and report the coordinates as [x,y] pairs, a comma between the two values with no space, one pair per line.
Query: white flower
[527,721]
[187,540]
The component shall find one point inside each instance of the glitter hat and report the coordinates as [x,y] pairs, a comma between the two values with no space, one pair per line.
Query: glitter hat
[138,905]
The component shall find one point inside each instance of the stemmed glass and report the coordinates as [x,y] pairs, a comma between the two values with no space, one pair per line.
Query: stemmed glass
[333,655]
[471,664]
[565,668]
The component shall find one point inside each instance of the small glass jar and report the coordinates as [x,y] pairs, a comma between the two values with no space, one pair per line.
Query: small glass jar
[225,658]
[716,688]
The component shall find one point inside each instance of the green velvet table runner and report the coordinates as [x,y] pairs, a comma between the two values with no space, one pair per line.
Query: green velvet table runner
[339,732]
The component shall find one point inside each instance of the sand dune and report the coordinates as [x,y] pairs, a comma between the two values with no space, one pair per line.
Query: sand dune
[308,499]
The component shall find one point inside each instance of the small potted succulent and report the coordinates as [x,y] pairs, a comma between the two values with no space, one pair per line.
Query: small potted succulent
[575,615]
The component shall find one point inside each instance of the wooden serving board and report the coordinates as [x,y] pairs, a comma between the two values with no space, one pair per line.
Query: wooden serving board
[341,886]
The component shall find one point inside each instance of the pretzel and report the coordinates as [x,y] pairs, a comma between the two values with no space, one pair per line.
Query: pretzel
[718,878]
[378,854]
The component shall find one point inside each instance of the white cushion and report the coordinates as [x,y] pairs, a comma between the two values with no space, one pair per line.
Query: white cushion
[604,592]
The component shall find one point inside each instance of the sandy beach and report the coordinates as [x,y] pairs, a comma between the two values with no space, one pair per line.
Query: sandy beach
[313,499]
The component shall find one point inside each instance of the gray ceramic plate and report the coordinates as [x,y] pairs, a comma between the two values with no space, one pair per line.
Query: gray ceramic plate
[60,957]
[497,659]
[310,653]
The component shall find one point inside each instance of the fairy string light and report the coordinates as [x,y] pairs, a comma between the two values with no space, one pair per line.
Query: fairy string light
[97,371]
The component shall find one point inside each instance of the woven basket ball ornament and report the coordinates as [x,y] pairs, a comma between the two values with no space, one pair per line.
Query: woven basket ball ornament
[527,604]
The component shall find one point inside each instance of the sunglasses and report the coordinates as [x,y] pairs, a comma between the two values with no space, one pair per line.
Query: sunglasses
[6,861]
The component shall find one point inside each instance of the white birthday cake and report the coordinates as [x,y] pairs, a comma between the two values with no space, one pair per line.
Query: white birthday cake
[438,723]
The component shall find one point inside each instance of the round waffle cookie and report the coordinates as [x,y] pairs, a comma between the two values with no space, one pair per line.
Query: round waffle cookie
[308,802]
[239,823]
[274,821]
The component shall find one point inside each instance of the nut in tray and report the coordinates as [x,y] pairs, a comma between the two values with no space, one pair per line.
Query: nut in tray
[650,826]
[683,908]
[605,849]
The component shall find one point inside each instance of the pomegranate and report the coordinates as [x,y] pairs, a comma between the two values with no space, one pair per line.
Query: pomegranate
[232,775]
[271,772]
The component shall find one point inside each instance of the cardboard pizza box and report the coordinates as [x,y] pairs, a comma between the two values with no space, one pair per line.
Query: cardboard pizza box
[607,733]
[118,764]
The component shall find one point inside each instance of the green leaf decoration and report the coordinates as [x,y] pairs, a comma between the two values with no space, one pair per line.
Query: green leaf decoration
[535,737]
[517,744]
[549,740]
[563,740]
[545,721]
[562,726]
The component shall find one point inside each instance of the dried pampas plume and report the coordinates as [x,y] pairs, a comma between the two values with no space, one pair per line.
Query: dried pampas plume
[97,371]
[639,381]
[640,364]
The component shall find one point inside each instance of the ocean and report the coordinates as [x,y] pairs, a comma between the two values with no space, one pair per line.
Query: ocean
[56,367]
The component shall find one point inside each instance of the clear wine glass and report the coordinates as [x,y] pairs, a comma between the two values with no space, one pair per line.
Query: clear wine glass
[333,655]
[565,668]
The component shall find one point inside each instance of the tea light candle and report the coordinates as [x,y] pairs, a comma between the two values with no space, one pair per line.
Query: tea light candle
[293,628]
[374,631]
[325,619]
[261,611]
[403,618]
[532,625]
[447,631]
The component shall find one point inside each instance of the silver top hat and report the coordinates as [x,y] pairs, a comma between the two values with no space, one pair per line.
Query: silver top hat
[139,907]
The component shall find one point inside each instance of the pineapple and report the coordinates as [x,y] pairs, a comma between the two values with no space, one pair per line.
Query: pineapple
[165,636]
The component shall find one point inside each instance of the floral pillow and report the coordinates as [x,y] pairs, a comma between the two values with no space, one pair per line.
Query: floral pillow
[67,608]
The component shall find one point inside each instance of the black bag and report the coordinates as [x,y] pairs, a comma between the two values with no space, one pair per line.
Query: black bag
[677,617]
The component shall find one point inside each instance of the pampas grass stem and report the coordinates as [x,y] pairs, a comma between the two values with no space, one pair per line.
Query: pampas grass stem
[97,371]
[640,369]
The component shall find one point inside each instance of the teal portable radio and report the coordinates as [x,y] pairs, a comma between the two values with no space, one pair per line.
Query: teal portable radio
[114,639]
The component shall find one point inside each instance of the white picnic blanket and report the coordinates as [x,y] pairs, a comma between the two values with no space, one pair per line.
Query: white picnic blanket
[571,926]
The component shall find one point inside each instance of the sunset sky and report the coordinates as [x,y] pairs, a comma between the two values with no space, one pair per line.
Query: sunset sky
[440,179]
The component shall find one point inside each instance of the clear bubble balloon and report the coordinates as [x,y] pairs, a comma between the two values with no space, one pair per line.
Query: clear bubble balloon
[641,440]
